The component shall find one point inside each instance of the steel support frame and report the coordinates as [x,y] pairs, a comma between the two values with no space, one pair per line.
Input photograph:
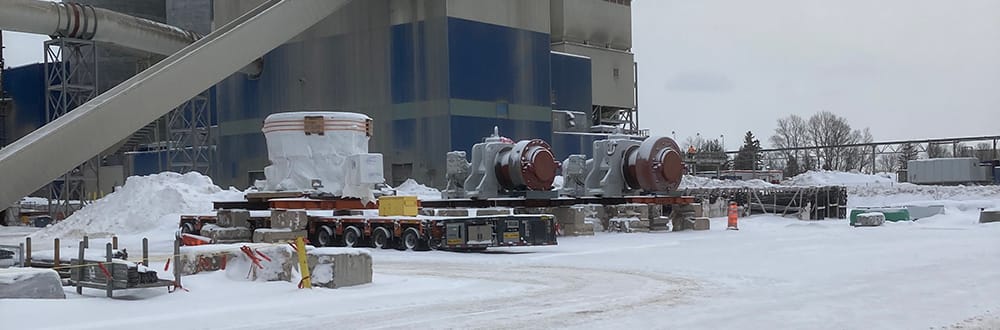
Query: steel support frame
[70,80]
[622,118]
[191,142]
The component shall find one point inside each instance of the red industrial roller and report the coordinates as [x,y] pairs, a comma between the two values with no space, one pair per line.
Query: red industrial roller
[528,165]
[654,166]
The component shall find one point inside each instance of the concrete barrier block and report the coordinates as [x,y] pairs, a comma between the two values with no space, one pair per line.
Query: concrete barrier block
[660,224]
[699,211]
[534,210]
[339,267]
[871,219]
[570,215]
[289,219]
[279,268]
[277,235]
[233,218]
[491,211]
[700,223]
[30,283]
[988,216]
[452,212]
[224,234]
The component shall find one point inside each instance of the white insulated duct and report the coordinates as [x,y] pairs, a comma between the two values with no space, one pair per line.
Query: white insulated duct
[74,20]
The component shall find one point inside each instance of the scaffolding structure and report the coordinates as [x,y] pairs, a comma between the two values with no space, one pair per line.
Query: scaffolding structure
[189,127]
[70,81]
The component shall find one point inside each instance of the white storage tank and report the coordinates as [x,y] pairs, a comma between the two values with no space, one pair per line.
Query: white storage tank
[321,151]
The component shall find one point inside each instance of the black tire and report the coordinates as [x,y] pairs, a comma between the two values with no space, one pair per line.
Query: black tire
[380,238]
[325,236]
[435,244]
[352,236]
[409,241]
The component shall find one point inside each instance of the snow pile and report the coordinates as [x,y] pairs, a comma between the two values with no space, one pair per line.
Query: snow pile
[832,178]
[690,181]
[963,198]
[410,187]
[144,204]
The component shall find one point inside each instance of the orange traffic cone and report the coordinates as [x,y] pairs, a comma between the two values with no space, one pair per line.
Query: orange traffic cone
[733,215]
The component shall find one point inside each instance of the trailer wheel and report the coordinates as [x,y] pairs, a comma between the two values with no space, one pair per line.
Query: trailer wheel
[351,236]
[380,238]
[324,236]
[410,240]
[435,244]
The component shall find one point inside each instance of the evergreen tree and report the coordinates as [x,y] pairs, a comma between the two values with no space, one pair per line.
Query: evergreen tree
[792,167]
[749,156]
[907,152]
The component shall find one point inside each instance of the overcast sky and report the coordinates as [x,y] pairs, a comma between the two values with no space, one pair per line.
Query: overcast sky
[906,68]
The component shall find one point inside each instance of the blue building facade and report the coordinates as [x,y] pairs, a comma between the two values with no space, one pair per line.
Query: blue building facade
[433,83]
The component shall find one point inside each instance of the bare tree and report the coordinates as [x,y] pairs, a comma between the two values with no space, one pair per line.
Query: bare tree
[828,129]
[984,151]
[937,151]
[887,163]
[792,132]
[858,158]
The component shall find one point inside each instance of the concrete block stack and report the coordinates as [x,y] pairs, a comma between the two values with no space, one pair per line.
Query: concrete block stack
[657,220]
[596,215]
[573,220]
[232,226]
[328,267]
[682,216]
[631,217]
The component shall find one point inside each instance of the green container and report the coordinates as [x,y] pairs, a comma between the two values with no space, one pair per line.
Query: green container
[891,214]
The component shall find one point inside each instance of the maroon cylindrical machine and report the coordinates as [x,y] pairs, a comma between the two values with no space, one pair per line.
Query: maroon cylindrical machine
[528,165]
[655,165]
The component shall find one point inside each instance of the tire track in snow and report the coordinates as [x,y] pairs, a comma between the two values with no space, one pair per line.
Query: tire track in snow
[557,297]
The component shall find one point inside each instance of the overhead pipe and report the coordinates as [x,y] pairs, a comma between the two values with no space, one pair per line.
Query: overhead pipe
[79,21]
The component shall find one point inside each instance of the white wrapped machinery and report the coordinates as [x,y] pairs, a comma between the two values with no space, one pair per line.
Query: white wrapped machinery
[321,151]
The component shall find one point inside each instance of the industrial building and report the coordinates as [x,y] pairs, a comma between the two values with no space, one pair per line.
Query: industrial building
[435,75]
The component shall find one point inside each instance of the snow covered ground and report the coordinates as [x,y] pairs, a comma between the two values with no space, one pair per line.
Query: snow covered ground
[774,273]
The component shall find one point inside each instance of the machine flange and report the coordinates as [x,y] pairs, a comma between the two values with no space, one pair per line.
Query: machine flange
[655,166]
[528,165]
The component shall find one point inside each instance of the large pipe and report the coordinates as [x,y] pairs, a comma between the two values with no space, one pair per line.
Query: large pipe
[74,20]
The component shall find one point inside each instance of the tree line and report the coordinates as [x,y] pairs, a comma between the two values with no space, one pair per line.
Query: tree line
[822,135]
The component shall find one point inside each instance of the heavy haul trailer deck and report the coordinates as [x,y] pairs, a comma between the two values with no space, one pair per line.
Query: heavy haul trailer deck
[431,233]
[318,203]
[418,233]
